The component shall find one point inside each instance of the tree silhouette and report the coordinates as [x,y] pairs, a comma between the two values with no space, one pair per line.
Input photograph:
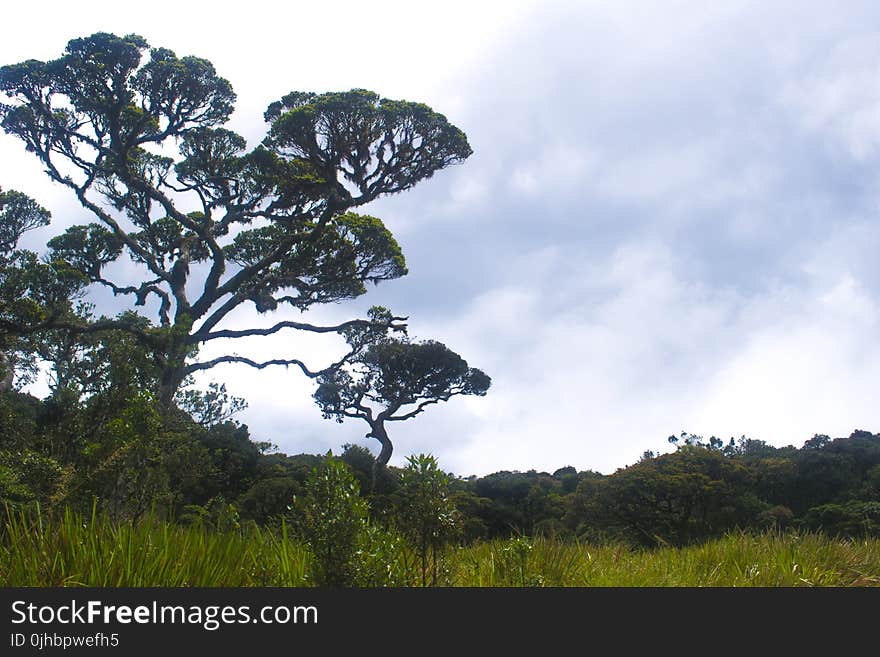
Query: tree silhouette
[391,379]
[208,224]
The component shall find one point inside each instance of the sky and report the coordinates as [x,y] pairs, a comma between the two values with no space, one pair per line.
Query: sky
[669,223]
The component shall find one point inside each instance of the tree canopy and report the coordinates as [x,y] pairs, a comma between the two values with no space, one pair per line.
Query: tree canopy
[137,134]
[392,379]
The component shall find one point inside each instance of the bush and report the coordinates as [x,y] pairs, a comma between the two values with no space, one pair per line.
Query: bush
[332,518]
[382,559]
[427,515]
[854,518]
[776,517]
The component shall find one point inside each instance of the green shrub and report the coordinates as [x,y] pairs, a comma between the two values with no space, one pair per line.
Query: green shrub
[427,514]
[331,518]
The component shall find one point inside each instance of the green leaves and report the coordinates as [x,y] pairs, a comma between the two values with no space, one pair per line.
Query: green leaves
[186,92]
[30,289]
[332,265]
[99,95]
[18,214]
[86,248]
[212,161]
[93,74]
[428,515]
[375,145]
[376,254]
[106,53]
[166,239]
[406,372]
[332,518]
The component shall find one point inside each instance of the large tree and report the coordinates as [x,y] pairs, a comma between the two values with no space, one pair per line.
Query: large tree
[392,379]
[136,133]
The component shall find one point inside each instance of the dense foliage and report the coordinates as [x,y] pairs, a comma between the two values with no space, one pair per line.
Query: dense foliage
[112,449]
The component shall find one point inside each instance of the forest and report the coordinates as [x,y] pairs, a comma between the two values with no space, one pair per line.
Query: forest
[115,451]
[108,474]
[125,449]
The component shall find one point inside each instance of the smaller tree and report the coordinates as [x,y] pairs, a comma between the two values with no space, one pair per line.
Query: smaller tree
[391,379]
[29,288]
[211,407]
[428,515]
[332,518]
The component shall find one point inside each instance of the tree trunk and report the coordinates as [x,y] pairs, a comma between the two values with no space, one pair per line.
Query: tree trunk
[169,381]
[377,431]
[172,372]
[424,551]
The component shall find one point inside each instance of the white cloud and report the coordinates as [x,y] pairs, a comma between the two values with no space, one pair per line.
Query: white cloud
[812,369]
[838,98]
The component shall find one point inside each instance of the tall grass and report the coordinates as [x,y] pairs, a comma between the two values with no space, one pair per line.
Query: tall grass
[736,560]
[69,549]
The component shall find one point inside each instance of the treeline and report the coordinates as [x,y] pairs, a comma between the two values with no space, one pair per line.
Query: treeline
[701,490]
[114,448]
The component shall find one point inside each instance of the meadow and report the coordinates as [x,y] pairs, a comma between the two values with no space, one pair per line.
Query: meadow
[69,549]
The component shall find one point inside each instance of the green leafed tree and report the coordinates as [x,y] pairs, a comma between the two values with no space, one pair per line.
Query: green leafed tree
[427,513]
[31,288]
[391,379]
[332,518]
[187,220]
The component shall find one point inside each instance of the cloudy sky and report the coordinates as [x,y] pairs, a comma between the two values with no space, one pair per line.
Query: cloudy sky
[671,221]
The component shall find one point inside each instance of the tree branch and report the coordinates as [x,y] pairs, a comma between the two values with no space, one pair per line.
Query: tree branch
[141,293]
[76,327]
[80,191]
[248,273]
[294,325]
[423,405]
[197,367]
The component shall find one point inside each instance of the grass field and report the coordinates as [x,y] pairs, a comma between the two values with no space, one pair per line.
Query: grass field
[71,550]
